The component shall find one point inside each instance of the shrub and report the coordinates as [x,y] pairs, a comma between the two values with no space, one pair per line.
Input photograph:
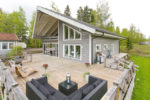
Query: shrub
[16,51]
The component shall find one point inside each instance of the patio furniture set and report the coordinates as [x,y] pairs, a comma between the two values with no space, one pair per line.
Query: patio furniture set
[40,89]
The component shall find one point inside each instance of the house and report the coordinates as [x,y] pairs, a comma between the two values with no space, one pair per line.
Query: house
[69,38]
[7,42]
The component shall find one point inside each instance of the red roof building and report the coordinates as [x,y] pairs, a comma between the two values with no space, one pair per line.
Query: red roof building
[8,37]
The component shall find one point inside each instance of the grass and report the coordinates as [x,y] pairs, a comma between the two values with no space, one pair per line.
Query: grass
[142,80]
[140,54]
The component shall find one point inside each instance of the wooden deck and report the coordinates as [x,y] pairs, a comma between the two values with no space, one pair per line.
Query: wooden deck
[58,68]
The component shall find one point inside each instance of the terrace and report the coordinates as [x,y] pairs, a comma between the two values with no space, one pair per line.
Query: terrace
[59,67]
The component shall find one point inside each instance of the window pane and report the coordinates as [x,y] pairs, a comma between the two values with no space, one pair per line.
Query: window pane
[71,33]
[4,46]
[11,45]
[77,35]
[98,47]
[78,52]
[66,50]
[71,51]
[66,32]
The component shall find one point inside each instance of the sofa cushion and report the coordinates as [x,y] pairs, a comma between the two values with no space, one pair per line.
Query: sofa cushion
[92,80]
[44,90]
[77,95]
[59,95]
[95,84]
[87,90]
[50,97]
[35,83]
[50,89]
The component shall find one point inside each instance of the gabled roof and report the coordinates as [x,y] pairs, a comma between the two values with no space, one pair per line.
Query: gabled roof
[83,25]
[8,37]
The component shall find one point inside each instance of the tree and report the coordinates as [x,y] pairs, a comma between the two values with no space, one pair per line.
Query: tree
[14,22]
[34,43]
[67,11]
[129,44]
[118,30]
[54,7]
[85,14]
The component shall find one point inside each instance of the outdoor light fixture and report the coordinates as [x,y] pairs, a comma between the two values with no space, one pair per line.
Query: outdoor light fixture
[68,78]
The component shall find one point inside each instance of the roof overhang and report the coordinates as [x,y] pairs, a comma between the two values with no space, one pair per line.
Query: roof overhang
[110,36]
[66,20]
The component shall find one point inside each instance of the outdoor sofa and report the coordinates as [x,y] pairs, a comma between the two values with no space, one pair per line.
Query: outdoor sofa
[39,89]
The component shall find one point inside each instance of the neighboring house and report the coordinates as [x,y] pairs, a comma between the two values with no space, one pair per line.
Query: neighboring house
[69,38]
[144,43]
[7,42]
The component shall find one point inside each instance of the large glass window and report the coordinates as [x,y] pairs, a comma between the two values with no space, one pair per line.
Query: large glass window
[78,52]
[66,49]
[11,45]
[4,46]
[66,31]
[77,35]
[106,47]
[72,51]
[71,33]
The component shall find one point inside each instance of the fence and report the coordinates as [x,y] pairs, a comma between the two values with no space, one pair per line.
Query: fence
[123,87]
[9,88]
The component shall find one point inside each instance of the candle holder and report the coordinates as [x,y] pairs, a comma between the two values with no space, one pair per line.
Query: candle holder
[68,78]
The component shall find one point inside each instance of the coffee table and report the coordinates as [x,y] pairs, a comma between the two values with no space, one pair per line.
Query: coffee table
[67,89]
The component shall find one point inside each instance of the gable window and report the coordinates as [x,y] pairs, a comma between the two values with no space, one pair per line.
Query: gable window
[77,35]
[72,51]
[98,47]
[4,46]
[70,33]
[66,32]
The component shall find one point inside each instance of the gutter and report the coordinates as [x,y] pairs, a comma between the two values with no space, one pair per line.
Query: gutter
[93,46]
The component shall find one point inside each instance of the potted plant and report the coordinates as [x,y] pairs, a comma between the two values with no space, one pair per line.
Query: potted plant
[45,66]
[86,74]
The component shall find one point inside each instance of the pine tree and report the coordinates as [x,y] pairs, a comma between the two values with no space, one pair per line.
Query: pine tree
[67,11]
[80,14]
[129,44]
[118,30]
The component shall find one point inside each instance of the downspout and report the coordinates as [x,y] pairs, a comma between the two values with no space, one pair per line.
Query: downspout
[93,46]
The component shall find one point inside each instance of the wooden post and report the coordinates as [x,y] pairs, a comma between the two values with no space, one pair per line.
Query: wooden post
[118,90]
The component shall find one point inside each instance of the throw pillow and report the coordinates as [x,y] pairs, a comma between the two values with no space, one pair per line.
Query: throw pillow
[87,90]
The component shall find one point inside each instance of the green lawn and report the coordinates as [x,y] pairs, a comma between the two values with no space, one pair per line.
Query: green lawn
[142,80]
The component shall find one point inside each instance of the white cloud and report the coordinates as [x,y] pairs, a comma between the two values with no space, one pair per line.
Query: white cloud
[124,12]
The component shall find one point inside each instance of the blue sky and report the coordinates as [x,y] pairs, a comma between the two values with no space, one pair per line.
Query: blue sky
[123,12]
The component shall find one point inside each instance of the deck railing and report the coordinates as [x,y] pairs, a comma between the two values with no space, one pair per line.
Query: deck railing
[9,88]
[123,87]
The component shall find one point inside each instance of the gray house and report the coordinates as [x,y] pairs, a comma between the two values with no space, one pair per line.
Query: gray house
[72,39]
[7,42]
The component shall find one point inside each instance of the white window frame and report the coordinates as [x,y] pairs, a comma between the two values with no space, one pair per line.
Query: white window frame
[107,47]
[7,45]
[74,32]
[74,56]
[99,46]
[0,46]
[113,47]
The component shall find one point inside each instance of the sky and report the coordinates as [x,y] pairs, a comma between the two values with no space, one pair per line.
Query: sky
[123,12]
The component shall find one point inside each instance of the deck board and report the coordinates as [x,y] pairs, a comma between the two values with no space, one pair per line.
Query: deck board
[59,67]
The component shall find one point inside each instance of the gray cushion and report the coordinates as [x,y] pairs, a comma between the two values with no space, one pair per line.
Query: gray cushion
[44,90]
[50,89]
[50,97]
[95,84]
[35,83]
[87,90]
[77,95]
[59,95]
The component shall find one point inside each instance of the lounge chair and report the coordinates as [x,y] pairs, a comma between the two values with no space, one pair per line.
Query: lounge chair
[24,74]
